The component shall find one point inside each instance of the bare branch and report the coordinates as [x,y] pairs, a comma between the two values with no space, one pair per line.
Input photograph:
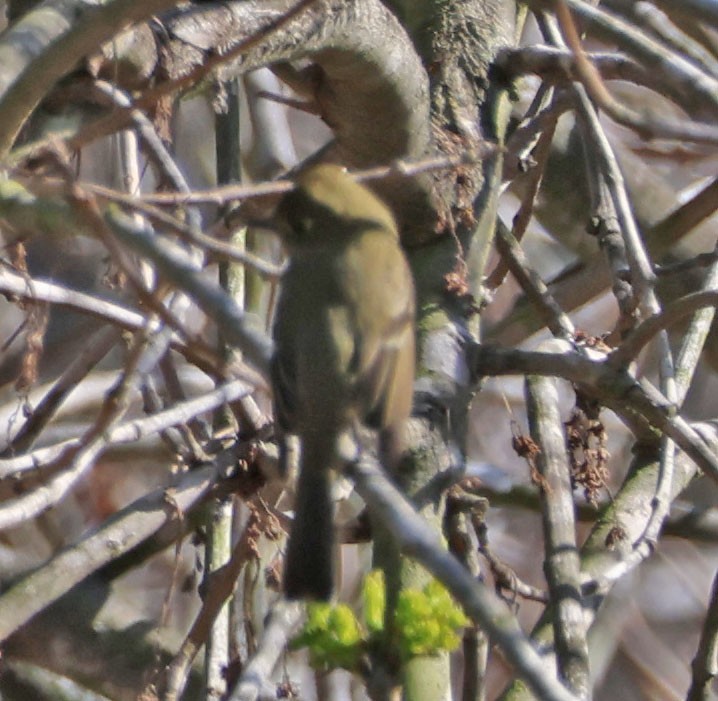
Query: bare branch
[134,524]
[705,663]
[617,389]
[98,346]
[254,684]
[130,431]
[562,566]
[184,273]
[646,331]
[55,37]
[534,288]
[416,539]
[700,90]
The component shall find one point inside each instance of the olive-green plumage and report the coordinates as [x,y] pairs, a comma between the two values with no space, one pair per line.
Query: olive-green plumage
[344,334]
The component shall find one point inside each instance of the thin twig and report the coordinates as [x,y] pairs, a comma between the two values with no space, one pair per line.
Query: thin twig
[648,124]
[219,588]
[181,271]
[96,349]
[645,332]
[131,431]
[74,461]
[130,527]
[535,289]
[416,539]
[254,684]
[660,25]
[13,283]
[522,218]
[561,561]
[616,388]
[694,340]
[120,118]
[699,88]
[705,663]
[703,10]
[162,158]
[234,193]
[419,541]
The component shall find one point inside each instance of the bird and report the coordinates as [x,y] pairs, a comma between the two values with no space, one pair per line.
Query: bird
[344,356]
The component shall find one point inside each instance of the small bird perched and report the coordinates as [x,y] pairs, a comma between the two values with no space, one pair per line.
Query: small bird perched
[344,335]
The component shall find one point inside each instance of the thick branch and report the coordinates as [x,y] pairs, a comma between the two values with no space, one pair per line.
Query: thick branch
[366,81]
[418,540]
[48,43]
[130,527]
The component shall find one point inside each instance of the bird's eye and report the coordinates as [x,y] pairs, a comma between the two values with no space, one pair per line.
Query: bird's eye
[305,225]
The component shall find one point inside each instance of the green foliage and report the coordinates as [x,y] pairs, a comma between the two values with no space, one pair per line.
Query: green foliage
[426,622]
[374,595]
[333,636]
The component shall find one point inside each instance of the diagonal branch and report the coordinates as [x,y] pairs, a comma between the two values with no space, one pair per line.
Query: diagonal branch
[416,539]
[55,37]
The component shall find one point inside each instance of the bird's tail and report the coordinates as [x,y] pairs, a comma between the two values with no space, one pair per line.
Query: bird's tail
[309,564]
